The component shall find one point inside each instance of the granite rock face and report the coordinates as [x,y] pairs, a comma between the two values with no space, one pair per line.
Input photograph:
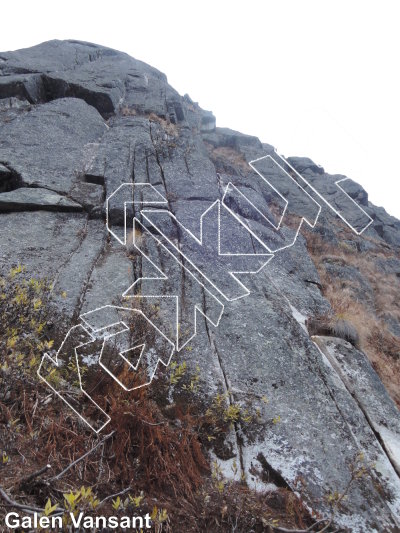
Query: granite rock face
[78,122]
[27,198]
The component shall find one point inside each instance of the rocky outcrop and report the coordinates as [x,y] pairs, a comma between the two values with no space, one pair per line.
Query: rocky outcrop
[27,198]
[77,122]
[366,388]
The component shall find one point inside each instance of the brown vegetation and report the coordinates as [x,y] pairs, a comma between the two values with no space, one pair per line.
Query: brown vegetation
[170,129]
[368,318]
[227,159]
[152,457]
[156,461]
[127,111]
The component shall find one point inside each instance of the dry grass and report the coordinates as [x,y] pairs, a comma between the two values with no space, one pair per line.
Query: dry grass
[158,451]
[159,458]
[170,129]
[127,111]
[227,159]
[334,325]
[375,339]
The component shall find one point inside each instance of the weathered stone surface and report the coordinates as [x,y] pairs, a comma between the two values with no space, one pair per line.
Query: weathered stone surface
[304,163]
[73,278]
[26,199]
[385,226]
[56,69]
[45,146]
[12,103]
[275,357]
[41,241]
[364,385]
[90,196]
[111,276]
[328,403]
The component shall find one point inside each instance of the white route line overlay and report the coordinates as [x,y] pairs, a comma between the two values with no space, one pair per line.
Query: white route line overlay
[132,186]
[127,328]
[314,190]
[200,242]
[90,331]
[161,200]
[303,219]
[55,363]
[165,277]
[232,213]
[278,227]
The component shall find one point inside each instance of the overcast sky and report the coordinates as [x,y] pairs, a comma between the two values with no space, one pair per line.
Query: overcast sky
[315,78]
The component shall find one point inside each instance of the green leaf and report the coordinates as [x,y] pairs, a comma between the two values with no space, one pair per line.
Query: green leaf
[48,508]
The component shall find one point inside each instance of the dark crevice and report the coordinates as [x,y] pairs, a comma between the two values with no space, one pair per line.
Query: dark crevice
[237,429]
[137,259]
[16,207]
[269,474]
[54,88]
[77,312]
[10,179]
[187,168]
[19,208]
[160,167]
[370,423]
[95,179]
[219,184]
[43,88]
[82,237]
[179,113]
[376,433]
[136,207]
[17,89]
[198,198]
[312,282]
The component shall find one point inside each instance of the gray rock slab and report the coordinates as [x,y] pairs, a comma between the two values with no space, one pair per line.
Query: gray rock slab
[365,385]
[112,275]
[104,78]
[45,146]
[323,409]
[74,276]
[41,241]
[272,356]
[31,199]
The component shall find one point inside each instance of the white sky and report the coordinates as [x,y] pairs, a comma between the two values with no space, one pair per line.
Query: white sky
[316,78]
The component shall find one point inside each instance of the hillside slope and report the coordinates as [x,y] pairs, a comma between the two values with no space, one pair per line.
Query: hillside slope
[294,370]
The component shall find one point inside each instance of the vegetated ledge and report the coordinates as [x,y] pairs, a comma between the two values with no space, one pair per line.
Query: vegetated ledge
[36,198]
[161,444]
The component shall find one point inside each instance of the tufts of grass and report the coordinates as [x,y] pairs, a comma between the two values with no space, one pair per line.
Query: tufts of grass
[365,323]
